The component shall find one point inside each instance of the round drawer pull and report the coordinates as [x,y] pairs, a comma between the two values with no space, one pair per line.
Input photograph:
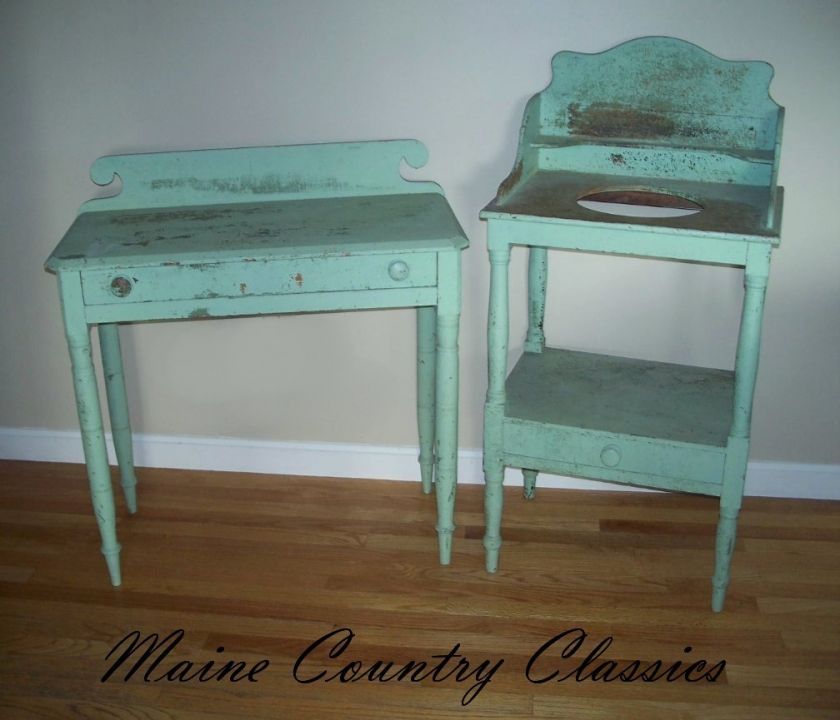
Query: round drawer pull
[398,270]
[611,455]
[121,286]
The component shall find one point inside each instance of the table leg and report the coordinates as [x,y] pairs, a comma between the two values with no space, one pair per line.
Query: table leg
[529,478]
[730,507]
[497,348]
[537,280]
[535,339]
[737,452]
[426,359]
[112,366]
[90,418]
[446,397]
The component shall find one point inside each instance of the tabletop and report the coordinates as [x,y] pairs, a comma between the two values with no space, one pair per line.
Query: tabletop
[274,229]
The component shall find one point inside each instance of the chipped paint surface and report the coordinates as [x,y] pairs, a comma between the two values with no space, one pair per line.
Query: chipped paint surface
[614,120]
[197,243]
[322,273]
[248,184]
[243,175]
[651,115]
[257,231]
[659,122]
[164,218]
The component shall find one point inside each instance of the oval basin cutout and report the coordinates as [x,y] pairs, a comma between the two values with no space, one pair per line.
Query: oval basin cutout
[639,203]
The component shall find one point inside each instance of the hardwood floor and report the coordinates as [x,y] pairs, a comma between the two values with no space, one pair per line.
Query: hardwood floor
[265,566]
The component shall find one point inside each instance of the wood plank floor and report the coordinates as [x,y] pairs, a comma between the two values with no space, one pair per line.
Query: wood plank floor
[265,566]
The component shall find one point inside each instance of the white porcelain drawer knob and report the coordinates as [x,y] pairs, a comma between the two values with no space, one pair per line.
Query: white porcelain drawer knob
[398,270]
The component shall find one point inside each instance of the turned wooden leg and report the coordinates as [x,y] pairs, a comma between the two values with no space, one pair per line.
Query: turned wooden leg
[109,345]
[537,279]
[497,347]
[737,452]
[446,398]
[494,473]
[529,484]
[426,361]
[724,545]
[730,505]
[535,339]
[90,418]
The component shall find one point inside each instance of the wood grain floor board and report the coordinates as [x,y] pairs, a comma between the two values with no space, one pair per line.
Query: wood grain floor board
[264,566]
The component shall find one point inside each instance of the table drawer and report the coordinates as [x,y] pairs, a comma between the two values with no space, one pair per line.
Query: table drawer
[183,281]
[603,455]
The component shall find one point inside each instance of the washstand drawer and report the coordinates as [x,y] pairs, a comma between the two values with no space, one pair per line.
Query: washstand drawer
[248,277]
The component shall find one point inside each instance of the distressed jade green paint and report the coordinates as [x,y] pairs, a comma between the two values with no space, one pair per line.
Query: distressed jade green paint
[255,231]
[651,115]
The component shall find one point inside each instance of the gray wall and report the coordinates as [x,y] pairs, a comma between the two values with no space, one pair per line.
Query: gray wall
[83,79]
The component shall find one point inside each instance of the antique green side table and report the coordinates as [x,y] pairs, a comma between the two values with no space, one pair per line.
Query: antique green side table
[257,231]
[658,122]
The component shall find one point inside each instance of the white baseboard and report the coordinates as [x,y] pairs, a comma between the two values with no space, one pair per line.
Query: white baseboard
[772,479]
